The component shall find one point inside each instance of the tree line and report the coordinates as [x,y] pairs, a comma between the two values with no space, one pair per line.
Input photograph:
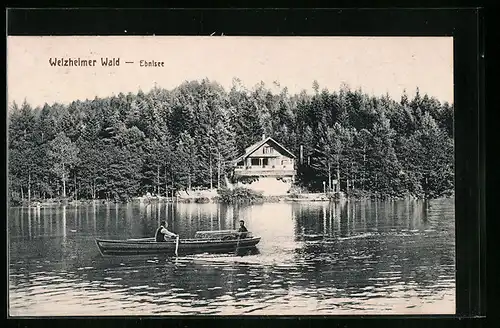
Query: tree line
[125,145]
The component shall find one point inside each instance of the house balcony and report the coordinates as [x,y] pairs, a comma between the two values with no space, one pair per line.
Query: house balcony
[264,171]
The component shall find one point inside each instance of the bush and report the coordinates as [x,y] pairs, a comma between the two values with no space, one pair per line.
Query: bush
[296,195]
[359,194]
[336,195]
[239,194]
[15,201]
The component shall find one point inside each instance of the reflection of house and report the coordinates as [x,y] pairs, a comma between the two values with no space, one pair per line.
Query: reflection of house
[268,161]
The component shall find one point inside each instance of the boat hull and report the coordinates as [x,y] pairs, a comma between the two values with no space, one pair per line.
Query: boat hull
[186,246]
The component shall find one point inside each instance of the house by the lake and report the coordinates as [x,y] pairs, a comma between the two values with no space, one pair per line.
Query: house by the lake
[266,166]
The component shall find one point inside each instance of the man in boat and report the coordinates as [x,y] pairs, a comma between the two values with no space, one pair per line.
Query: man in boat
[162,233]
[242,231]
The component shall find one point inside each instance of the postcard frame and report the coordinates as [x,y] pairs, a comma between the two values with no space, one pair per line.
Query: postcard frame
[465,25]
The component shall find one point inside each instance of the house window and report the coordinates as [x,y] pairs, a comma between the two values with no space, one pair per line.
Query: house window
[267,150]
[255,161]
[265,161]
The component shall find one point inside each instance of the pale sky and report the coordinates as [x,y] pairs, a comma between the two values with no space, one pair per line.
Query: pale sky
[376,64]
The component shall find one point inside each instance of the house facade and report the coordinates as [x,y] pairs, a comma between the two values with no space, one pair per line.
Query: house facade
[269,163]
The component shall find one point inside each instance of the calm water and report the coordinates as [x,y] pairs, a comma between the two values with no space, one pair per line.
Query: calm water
[390,257]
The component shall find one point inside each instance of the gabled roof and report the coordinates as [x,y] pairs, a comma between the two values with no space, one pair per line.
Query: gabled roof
[251,149]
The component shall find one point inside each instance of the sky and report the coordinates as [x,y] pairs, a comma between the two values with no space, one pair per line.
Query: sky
[377,65]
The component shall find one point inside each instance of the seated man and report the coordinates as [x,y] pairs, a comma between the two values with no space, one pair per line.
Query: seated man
[242,230]
[162,234]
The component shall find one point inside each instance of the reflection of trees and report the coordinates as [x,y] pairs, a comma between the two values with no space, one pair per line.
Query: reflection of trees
[336,219]
[345,228]
[308,219]
[227,216]
[29,223]
[120,221]
[107,218]
[94,217]
[330,219]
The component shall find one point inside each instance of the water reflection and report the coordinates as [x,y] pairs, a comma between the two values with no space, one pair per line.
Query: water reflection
[349,218]
[377,257]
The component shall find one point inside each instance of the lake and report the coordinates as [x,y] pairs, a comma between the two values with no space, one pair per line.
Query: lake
[380,257]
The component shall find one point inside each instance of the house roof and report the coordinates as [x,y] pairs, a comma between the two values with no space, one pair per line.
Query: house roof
[251,149]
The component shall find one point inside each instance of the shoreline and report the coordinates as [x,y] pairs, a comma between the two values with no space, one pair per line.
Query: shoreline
[292,198]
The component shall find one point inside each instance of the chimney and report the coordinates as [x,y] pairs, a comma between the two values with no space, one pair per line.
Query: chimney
[263,136]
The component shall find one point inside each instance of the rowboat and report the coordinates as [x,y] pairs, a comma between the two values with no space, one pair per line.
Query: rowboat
[221,241]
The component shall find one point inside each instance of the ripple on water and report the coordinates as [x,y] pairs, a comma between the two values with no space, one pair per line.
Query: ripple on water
[243,294]
[85,268]
[139,287]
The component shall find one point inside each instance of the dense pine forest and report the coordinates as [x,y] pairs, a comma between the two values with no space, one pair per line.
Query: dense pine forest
[123,146]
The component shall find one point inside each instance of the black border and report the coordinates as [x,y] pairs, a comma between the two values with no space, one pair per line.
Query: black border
[464,24]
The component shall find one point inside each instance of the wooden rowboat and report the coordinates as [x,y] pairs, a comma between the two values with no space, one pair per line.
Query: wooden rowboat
[204,242]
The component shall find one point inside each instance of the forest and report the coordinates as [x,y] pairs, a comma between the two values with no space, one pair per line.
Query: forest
[125,145]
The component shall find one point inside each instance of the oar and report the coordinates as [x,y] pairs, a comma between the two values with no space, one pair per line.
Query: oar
[237,244]
[177,246]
